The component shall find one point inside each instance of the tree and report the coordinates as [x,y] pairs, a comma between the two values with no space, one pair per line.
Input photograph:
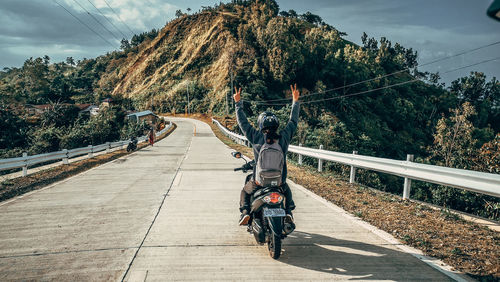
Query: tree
[179,13]
[293,14]
[311,18]
[45,139]
[364,38]
[125,45]
[70,61]
[37,84]
[46,60]
[488,159]
[453,141]
[13,130]
[284,14]
[483,95]
[59,115]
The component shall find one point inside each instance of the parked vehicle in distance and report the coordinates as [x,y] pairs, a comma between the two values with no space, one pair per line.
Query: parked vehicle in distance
[132,144]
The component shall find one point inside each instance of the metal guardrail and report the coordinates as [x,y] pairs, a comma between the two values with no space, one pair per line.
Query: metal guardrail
[480,182]
[25,161]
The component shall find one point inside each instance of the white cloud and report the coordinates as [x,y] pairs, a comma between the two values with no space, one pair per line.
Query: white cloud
[140,16]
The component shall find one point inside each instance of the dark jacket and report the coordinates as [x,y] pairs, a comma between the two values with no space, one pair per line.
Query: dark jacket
[256,137]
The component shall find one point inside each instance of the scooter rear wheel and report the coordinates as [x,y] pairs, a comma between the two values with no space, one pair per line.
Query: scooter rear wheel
[274,246]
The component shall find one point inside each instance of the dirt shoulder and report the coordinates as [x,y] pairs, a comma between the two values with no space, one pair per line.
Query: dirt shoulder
[21,185]
[465,246]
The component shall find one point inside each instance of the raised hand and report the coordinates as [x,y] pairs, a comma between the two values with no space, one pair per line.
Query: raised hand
[295,92]
[237,94]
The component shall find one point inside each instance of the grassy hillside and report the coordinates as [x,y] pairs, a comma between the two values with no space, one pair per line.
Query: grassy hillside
[265,51]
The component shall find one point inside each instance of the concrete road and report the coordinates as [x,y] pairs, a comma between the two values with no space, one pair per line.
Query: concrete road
[169,212]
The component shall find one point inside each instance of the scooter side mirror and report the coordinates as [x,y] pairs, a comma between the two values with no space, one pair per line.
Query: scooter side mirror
[236,155]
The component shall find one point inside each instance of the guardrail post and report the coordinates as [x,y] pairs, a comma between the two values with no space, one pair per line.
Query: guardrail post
[91,152]
[352,176]
[108,147]
[320,161]
[300,156]
[65,159]
[407,185]
[25,167]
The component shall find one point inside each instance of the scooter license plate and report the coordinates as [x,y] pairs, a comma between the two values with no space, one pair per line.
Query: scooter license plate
[274,212]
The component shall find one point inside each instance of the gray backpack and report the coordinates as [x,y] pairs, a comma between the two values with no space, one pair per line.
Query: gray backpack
[269,167]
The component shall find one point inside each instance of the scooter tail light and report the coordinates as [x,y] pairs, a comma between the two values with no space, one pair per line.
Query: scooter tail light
[275,198]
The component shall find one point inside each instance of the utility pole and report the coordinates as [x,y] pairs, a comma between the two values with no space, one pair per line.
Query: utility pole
[227,106]
[231,77]
[232,86]
[188,97]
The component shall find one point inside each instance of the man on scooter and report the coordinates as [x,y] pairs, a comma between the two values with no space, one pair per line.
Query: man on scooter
[268,125]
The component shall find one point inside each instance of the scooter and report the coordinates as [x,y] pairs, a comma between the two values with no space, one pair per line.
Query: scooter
[132,144]
[267,213]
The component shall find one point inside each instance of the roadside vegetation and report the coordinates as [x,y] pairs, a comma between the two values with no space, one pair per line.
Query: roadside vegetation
[39,106]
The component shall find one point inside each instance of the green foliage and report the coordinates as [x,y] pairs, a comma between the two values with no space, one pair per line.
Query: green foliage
[40,82]
[453,142]
[311,18]
[134,129]
[137,39]
[13,130]
[488,157]
[59,116]
[454,146]
[45,139]
[482,95]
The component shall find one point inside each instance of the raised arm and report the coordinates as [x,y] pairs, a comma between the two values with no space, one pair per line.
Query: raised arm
[250,132]
[291,126]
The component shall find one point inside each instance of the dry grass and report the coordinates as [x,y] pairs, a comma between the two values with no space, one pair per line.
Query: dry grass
[192,46]
[465,246]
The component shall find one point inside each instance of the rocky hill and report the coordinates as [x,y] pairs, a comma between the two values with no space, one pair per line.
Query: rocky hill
[266,52]
[192,48]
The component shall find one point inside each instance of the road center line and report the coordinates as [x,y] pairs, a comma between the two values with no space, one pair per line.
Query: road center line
[158,212]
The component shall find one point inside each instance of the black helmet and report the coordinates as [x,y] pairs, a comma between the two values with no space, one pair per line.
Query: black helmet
[268,120]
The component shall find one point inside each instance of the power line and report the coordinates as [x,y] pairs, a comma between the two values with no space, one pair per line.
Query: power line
[462,53]
[475,64]
[133,33]
[344,96]
[376,89]
[393,73]
[96,20]
[364,92]
[124,36]
[85,24]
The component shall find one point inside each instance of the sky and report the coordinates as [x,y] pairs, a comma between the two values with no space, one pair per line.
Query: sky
[436,29]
